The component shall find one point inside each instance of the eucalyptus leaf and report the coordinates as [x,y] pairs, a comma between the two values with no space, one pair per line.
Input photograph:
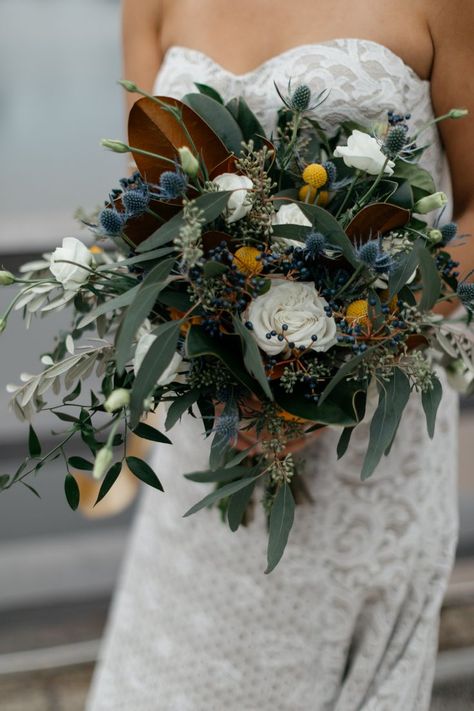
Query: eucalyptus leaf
[139,309]
[281,521]
[431,400]
[417,177]
[252,357]
[344,441]
[393,397]
[150,433]
[212,204]
[117,302]
[71,489]
[144,472]
[323,221]
[109,480]
[154,364]
[238,503]
[406,265]
[218,476]
[431,280]
[221,493]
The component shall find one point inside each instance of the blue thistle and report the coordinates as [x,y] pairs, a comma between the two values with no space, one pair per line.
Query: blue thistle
[135,201]
[395,140]
[172,185]
[226,425]
[465,293]
[372,254]
[449,232]
[331,170]
[315,245]
[301,98]
[111,222]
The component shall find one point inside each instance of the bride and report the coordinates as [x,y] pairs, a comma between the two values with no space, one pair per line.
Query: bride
[348,621]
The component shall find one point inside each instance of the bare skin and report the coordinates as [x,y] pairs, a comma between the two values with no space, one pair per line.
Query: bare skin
[431,36]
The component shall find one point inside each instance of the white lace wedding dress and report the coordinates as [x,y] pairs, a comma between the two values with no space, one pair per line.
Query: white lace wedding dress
[348,620]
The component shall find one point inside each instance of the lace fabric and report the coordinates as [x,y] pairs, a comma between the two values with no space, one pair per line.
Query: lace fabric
[348,620]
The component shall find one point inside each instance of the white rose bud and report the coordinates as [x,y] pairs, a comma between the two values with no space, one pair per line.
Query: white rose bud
[66,263]
[290,315]
[117,399]
[103,460]
[435,236]
[458,113]
[430,203]
[128,85]
[6,278]
[364,153]
[239,204]
[189,163]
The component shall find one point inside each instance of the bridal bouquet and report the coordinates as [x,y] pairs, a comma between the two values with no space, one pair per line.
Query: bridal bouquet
[261,283]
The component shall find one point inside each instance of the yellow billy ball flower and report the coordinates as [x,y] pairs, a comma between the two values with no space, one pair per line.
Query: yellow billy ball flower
[358,313]
[95,249]
[245,258]
[393,303]
[315,175]
[308,194]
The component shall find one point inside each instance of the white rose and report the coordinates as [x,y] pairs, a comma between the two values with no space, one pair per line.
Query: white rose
[70,275]
[291,215]
[169,374]
[239,204]
[295,311]
[364,153]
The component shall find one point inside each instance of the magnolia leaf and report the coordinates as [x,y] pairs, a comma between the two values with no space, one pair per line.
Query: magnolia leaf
[164,124]
[219,119]
[144,472]
[376,219]
[220,493]
[212,204]
[238,503]
[252,357]
[431,400]
[281,520]
[154,364]
[139,309]
[72,492]
[150,433]
[393,397]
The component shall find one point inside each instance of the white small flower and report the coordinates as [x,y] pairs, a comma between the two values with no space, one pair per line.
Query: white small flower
[430,202]
[239,204]
[118,399]
[71,276]
[364,153]
[103,460]
[293,310]
[170,373]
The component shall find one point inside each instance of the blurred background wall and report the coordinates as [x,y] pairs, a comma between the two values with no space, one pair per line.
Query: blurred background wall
[59,62]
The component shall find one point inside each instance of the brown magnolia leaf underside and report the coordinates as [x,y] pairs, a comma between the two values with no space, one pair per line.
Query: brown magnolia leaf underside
[152,128]
[376,219]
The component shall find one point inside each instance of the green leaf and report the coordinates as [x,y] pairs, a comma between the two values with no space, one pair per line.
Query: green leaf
[406,265]
[281,520]
[249,124]
[139,309]
[80,463]
[109,480]
[252,357]
[238,503]
[148,432]
[144,472]
[431,280]
[221,493]
[347,369]
[403,196]
[212,205]
[179,406]
[31,488]
[34,446]
[322,220]
[209,91]
[154,364]
[218,118]
[344,405]
[220,448]
[416,176]
[118,302]
[219,475]
[344,441]
[431,400]
[393,397]
[375,310]
[72,492]
[4,479]
[214,269]
[226,349]
[74,394]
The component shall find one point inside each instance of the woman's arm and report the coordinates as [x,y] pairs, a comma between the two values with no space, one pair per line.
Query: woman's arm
[141,37]
[452,86]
